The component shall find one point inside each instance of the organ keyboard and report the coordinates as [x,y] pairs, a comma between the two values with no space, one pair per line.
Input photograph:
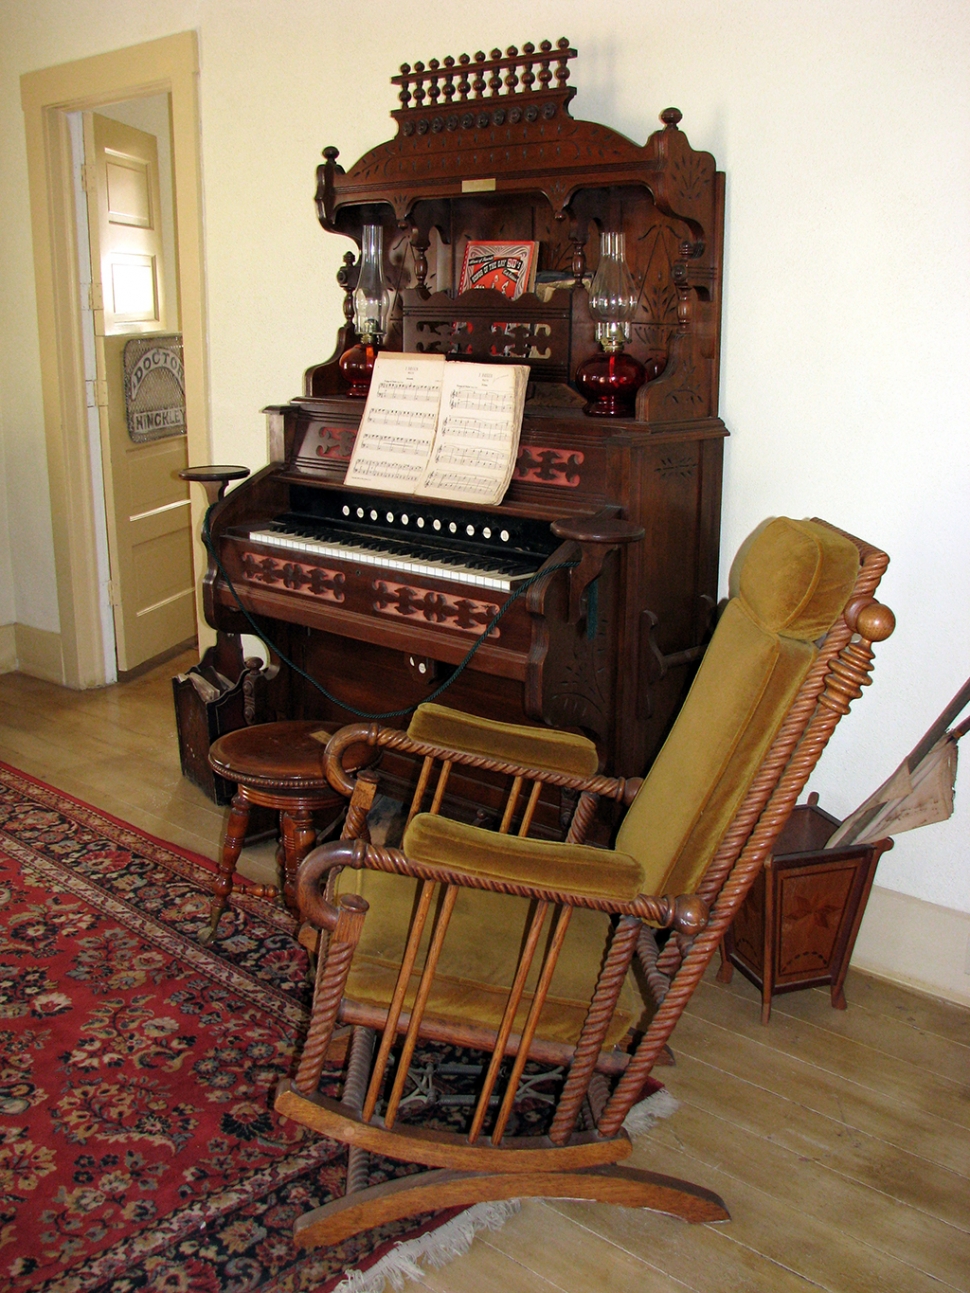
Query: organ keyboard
[465,547]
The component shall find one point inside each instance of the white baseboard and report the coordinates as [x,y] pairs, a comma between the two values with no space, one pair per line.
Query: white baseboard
[916,943]
[36,652]
[8,648]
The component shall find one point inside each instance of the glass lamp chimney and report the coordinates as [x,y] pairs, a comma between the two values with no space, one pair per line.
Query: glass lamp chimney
[371,298]
[612,294]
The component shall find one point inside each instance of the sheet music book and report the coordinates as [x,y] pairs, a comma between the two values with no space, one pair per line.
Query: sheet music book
[441,430]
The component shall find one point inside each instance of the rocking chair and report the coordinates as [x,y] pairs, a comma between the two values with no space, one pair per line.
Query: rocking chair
[542,935]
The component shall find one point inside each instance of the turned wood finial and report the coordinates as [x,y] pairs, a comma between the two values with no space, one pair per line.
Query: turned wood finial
[671,117]
[875,622]
[864,613]
[330,154]
[353,902]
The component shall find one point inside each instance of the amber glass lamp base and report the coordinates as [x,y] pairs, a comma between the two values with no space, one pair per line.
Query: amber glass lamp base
[357,366]
[610,382]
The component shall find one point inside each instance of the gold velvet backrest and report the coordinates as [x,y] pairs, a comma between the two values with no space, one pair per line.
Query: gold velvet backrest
[795,580]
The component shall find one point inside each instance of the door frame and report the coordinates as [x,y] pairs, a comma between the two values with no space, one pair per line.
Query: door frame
[170,65]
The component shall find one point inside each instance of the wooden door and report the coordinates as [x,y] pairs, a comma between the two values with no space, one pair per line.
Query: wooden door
[146,505]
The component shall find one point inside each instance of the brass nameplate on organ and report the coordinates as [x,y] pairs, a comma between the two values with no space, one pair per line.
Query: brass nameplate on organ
[478,186]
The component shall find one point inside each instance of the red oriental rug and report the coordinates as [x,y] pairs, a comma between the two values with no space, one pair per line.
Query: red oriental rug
[138,1145]
[139,1149]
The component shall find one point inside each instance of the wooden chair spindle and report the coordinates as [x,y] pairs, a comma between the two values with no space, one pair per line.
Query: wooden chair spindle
[425,896]
[420,1001]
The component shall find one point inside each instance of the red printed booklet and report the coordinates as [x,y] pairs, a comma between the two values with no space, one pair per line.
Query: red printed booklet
[506,267]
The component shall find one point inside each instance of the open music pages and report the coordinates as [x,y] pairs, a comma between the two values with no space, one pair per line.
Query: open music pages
[441,430]
[393,444]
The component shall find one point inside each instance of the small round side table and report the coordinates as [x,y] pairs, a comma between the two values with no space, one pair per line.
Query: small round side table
[280,766]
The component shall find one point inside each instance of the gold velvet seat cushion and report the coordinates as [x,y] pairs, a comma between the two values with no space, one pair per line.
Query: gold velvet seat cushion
[535,747]
[478,960]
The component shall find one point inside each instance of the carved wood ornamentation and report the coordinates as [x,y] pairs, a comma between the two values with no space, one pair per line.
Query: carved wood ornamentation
[485,147]
[312,581]
[336,442]
[549,466]
[682,464]
[434,607]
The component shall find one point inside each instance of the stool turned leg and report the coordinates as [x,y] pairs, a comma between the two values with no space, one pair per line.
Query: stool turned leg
[231,848]
[299,838]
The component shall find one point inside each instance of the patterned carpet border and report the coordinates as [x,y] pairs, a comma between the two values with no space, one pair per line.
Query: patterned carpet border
[150,899]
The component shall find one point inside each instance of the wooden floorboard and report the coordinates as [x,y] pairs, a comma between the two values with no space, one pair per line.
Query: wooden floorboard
[573,1258]
[711,1259]
[910,1009]
[892,1237]
[837,1146]
[850,1105]
[930,1050]
[840,1140]
[844,1057]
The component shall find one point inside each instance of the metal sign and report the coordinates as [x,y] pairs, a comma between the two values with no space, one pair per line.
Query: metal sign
[154,388]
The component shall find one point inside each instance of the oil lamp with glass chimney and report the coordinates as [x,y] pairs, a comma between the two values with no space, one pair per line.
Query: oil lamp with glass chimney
[611,378]
[371,308]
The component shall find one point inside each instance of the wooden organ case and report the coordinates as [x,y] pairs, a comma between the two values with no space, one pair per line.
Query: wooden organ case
[486,149]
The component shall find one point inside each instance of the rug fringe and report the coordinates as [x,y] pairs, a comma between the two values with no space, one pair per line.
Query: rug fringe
[643,1115]
[436,1247]
[454,1238]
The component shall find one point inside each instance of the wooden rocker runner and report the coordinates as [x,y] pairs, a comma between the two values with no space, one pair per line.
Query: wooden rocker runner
[524,948]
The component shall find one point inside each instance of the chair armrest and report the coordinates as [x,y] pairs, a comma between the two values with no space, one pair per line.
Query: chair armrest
[686,912]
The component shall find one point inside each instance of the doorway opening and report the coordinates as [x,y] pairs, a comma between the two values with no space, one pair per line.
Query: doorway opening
[134,380]
[166,71]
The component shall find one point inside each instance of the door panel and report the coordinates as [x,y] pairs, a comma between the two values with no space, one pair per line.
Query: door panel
[129,184]
[147,506]
[149,528]
[124,216]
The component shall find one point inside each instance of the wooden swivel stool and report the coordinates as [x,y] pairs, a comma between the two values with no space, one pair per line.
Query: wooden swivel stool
[280,766]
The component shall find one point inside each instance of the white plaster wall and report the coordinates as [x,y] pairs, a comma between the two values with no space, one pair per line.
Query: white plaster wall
[27,584]
[7,603]
[843,128]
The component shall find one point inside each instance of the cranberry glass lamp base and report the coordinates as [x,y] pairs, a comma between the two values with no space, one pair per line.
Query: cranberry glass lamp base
[357,366]
[610,382]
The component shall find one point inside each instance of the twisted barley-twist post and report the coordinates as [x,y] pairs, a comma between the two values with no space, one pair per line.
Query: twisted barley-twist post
[332,972]
[361,802]
[355,1085]
[585,811]
[598,1018]
[647,955]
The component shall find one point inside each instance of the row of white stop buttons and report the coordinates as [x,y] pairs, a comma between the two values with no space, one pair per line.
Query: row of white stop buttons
[361,512]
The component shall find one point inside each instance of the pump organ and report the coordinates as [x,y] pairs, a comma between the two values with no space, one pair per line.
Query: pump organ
[380,610]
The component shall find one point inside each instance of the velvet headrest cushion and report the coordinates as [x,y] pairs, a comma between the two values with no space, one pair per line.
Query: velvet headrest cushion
[797,577]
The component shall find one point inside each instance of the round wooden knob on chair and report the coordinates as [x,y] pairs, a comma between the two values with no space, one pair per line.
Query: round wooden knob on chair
[690,914]
[875,622]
